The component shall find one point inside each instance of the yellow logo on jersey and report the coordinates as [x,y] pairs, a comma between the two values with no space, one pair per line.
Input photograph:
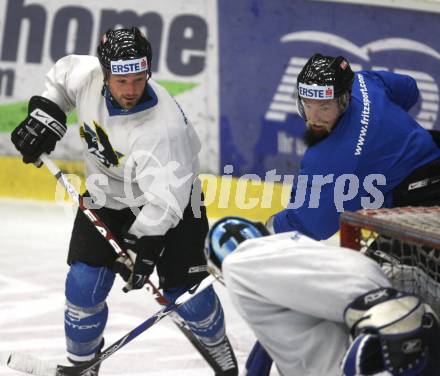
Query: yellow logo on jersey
[99,145]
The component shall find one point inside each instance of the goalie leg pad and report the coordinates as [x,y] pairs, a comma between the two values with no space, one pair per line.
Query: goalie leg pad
[203,314]
[86,311]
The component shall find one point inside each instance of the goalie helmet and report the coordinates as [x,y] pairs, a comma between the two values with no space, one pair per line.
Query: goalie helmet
[225,236]
[122,46]
[323,78]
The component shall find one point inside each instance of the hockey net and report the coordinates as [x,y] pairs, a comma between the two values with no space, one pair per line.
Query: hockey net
[404,241]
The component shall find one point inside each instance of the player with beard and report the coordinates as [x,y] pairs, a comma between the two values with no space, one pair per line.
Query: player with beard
[323,115]
[357,125]
[358,128]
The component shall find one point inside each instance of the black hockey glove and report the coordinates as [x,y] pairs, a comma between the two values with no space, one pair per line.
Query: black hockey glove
[143,254]
[39,132]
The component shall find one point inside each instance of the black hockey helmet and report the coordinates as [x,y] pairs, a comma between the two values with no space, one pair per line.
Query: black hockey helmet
[124,45]
[225,236]
[327,71]
[324,77]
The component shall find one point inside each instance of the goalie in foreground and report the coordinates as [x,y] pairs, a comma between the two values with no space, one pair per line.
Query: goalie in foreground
[321,310]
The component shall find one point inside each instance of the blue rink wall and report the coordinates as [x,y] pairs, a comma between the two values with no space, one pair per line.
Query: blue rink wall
[264,44]
[232,65]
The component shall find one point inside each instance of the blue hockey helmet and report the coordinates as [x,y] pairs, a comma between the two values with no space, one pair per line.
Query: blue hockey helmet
[225,236]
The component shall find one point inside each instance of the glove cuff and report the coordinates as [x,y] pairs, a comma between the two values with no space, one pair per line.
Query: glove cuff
[49,114]
[151,246]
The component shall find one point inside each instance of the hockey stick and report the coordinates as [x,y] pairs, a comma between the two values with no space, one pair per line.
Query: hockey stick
[106,233]
[33,366]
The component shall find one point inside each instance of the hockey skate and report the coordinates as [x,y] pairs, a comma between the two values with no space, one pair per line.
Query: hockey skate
[224,356]
[94,371]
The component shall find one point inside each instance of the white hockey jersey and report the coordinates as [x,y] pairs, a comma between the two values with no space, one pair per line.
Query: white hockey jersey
[146,157]
[292,291]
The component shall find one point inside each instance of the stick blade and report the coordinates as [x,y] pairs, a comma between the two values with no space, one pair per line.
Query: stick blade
[31,365]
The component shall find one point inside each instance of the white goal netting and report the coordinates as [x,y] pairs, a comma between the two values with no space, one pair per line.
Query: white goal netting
[405,241]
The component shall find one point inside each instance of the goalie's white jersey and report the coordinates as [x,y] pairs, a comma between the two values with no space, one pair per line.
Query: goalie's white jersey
[146,156]
[292,291]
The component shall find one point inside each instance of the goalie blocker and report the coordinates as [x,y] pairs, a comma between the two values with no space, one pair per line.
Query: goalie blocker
[394,334]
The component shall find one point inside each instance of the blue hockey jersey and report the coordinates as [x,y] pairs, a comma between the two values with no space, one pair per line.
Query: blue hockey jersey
[372,148]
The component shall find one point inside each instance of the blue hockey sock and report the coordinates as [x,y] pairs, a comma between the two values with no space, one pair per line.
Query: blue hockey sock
[86,311]
[203,314]
[258,362]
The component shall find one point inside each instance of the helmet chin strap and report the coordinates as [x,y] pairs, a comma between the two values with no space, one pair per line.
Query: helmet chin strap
[108,94]
[344,101]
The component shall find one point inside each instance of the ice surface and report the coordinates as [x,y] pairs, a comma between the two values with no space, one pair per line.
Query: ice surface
[34,238]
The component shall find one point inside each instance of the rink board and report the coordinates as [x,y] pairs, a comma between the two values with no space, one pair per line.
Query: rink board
[232,65]
[234,79]
[224,195]
[263,50]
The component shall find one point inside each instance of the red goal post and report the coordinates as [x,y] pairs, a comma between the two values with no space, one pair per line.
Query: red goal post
[405,241]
